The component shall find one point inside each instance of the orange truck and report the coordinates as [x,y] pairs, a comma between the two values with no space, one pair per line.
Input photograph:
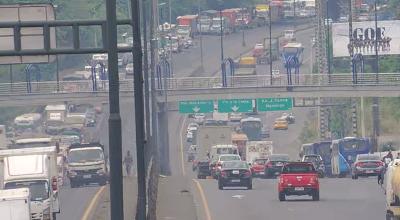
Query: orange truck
[187,25]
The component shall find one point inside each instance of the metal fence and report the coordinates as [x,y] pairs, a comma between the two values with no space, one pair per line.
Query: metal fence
[187,83]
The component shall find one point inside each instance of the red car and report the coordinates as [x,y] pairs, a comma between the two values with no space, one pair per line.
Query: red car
[258,167]
[298,178]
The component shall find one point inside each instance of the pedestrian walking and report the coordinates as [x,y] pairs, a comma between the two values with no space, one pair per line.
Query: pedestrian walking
[128,162]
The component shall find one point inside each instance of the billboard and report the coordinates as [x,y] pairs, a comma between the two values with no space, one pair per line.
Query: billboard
[31,38]
[364,35]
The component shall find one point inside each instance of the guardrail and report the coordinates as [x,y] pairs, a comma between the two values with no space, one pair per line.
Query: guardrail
[188,83]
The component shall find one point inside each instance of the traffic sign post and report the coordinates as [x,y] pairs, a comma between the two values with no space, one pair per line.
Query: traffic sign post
[196,106]
[274,104]
[235,105]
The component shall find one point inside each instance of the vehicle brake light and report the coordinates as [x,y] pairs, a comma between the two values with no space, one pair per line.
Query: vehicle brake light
[313,180]
[359,164]
[54,183]
[380,164]
[269,164]
[223,174]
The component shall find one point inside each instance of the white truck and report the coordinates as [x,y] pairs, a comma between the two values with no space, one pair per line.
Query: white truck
[221,118]
[36,169]
[55,117]
[3,137]
[392,185]
[258,149]
[86,164]
[208,136]
[14,204]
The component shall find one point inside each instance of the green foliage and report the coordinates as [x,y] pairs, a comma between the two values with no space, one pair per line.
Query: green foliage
[308,133]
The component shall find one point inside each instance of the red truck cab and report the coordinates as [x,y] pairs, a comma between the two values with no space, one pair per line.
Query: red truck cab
[298,178]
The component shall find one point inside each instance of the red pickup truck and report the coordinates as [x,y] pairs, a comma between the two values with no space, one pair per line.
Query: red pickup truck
[298,178]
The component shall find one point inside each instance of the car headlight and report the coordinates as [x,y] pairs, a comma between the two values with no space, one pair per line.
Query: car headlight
[100,172]
[72,173]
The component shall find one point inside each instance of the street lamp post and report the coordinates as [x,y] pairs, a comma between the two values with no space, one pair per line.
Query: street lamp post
[222,49]
[270,41]
[243,41]
[328,53]
[376,45]
[201,39]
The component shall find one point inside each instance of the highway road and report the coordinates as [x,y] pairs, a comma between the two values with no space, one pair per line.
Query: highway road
[184,64]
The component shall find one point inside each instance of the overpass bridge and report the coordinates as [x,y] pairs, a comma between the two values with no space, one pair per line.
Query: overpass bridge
[198,88]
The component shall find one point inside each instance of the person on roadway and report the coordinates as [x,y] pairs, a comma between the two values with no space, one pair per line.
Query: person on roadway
[128,162]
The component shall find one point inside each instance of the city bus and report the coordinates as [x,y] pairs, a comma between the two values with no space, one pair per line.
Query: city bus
[252,127]
[345,151]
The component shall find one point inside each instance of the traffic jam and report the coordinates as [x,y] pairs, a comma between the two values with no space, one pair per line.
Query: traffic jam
[235,148]
[45,151]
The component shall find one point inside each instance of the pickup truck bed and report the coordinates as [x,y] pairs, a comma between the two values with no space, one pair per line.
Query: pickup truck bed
[298,178]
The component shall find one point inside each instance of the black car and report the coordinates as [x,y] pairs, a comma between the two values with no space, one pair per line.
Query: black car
[203,169]
[235,173]
[274,165]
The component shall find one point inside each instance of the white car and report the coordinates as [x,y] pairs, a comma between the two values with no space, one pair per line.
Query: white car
[192,126]
[129,69]
[276,74]
[189,136]
[199,118]
[235,116]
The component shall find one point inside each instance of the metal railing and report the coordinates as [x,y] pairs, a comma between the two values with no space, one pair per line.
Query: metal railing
[188,83]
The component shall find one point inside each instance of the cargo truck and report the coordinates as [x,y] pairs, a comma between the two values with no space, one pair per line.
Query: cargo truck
[55,117]
[261,51]
[36,169]
[86,164]
[187,26]
[15,204]
[392,185]
[208,136]
[258,149]
[206,20]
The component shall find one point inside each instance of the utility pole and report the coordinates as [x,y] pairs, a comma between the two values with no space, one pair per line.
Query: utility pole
[270,41]
[243,41]
[139,110]
[376,45]
[114,121]
[146,75]
[328,41]
[222,48]
[171,65]
[201,38]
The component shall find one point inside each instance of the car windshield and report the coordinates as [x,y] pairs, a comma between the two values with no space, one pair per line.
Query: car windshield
[235,165]
[368,157]
[85,155]
[298,168]
[229,157]
[279,158]
[39,190]
[260,162]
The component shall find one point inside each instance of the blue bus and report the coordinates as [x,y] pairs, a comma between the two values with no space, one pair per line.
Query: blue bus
[345,151]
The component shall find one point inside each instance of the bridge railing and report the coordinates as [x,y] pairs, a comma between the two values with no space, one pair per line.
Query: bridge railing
[187,83]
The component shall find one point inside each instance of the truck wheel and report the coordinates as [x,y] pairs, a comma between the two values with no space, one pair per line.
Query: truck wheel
[54,215]
[282,197]
[315,196]
[220,185]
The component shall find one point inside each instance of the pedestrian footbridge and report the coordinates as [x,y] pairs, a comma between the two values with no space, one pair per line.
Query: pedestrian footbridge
[197,88]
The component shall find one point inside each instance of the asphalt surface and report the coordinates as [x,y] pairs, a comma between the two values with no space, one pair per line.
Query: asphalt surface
[184,65]
[340,198]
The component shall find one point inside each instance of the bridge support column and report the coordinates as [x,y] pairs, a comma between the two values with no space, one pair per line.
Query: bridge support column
[163,139]
[375,124]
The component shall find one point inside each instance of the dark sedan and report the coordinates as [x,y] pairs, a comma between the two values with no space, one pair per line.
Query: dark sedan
[235,173]
[274,165]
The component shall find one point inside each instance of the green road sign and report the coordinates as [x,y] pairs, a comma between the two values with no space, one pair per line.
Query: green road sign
[274,104]
[235,105]
[196,106]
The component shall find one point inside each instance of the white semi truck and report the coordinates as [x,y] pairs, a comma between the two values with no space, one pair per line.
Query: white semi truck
[392,183]
[36,169]
[15,204]
[208,136]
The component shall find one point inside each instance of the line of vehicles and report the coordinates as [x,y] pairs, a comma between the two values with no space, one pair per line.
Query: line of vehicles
[34,163]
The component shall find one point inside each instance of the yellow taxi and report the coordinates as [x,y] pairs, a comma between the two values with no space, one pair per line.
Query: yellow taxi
[281,124]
